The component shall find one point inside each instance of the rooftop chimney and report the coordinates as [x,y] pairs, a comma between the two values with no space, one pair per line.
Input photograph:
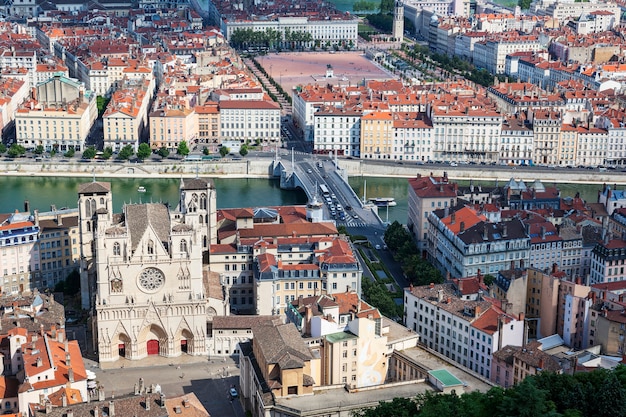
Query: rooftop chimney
[63,400]
[96,412]
[162,400]
[70,374]
[70,413]
[147,403]
[48,407]
[111,409]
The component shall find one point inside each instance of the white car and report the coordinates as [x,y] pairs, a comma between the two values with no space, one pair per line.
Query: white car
[454,164]
[233,393]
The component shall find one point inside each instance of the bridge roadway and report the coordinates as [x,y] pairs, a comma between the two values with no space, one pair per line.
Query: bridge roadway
[307,172]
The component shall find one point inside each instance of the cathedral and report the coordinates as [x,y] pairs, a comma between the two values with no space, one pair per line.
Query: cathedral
[142,271]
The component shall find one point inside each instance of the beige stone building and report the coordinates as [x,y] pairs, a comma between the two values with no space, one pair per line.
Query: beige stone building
[426,194]
[59,246]
[376,135]
[208,126]
[170,126]
[126,116]
[146,272]
[59,116]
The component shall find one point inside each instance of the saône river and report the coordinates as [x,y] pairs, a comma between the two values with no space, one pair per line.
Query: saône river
[42,192]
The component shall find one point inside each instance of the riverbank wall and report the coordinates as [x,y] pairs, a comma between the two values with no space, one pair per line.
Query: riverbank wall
[259,167]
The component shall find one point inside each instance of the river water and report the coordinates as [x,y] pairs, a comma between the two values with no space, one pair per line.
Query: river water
[42,192]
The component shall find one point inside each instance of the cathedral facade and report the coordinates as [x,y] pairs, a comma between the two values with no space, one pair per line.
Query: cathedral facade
[144,271]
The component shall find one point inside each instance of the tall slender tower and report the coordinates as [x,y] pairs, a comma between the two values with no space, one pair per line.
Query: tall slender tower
[94,198]
[398,21]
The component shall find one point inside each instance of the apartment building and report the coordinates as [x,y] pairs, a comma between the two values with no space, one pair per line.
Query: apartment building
[337,131]
[267,257]
[516,141]
[352,345]
[19,252]
[512,364]
[546,246]
[461,241]
[412,135]
[573,313]
[58,116]
[51,363]
[607,261]
[172,125]
[465,331]
[426,194]
[377,135]
[126,116]
[612,198]
[12,93]
[308,100]
[280,280]
[250,120]
[58,242]
[491,53]
[613,121]
[465,131]
[208,126]
[547,131]
[48,70]
[277,358]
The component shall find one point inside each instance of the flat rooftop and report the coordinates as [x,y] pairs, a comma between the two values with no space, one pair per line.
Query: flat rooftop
[338,397]
[446,378]
[429,361]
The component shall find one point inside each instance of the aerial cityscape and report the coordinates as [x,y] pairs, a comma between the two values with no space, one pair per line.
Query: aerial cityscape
[313,208]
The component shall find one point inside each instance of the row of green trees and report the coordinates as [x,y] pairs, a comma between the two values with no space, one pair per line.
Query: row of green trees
[453,65]
[417,270]
[271,79]
[270,39]
[601,393]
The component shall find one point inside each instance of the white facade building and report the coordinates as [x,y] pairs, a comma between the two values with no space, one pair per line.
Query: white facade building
[466,331]
[337,131]
[250,120]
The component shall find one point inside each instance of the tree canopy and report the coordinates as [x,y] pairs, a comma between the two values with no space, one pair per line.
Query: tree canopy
[182,149]
[16,150]
[163,152]
[89,153]
[597,393]
[143,151]
[224,151]
[126,152]
[417,270]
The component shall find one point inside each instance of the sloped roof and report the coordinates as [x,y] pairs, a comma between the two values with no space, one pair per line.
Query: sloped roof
[281,344]
[140,216]
[94,187]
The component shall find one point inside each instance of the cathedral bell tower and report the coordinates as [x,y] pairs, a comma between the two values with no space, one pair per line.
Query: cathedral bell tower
[398,21]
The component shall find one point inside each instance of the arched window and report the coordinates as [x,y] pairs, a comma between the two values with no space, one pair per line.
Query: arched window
[201,218]
[102,200]
[150,247]
[204,241]
[203,201]
[93,206]
[88,212]
[116,249]
[183,246]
